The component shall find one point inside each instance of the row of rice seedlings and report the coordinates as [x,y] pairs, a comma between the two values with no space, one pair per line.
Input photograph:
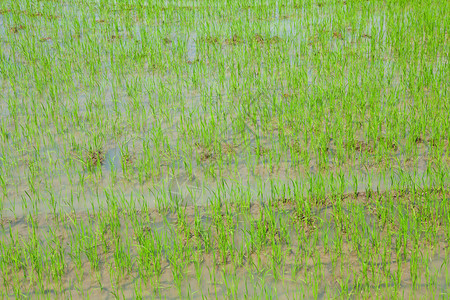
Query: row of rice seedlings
[316,147]
[361,241]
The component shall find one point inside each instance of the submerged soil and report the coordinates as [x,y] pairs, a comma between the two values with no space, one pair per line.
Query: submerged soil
[227,151]
[385,244]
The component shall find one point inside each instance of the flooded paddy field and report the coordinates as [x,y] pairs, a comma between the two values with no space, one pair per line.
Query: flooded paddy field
[224,149]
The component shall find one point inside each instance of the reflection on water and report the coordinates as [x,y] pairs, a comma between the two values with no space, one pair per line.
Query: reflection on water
[181,188]
[113,159]
[2,26]
[192,47]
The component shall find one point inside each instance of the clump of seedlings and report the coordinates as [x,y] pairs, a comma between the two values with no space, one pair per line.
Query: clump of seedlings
[234,40]
[94,158]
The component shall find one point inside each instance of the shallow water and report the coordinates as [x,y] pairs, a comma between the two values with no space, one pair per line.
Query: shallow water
[241,280]
[181,188]
[153,80]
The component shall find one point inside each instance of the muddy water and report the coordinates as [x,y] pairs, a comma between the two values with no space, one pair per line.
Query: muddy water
[2,27]
[182,188]
[70,189]
[337,277]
